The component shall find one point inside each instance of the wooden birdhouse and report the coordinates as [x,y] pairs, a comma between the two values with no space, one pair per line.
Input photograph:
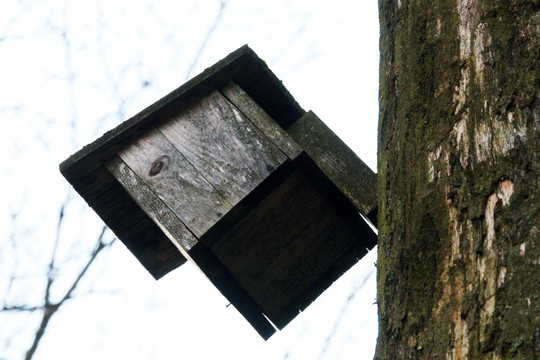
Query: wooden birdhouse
[230,173]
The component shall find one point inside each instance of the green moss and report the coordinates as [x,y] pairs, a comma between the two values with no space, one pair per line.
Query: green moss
[420,71]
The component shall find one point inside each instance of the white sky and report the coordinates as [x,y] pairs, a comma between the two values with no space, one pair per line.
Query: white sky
[72,70]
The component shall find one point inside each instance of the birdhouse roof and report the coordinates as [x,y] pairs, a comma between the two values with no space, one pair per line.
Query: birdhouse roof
[86,171]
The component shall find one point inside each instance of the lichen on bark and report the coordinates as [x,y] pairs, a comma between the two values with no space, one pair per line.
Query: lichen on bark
[458,180]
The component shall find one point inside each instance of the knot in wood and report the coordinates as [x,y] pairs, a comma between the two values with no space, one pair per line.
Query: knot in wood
[160,164]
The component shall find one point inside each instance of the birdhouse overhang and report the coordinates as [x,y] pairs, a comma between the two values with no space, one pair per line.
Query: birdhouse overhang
[230,172]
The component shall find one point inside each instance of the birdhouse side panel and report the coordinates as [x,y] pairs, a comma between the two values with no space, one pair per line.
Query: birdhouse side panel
[309,295]
[223,145]
[320,238]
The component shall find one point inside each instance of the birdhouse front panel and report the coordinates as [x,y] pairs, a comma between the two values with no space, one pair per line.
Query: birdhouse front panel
[230,173]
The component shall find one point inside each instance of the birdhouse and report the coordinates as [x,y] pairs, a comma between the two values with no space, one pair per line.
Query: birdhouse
[230,173]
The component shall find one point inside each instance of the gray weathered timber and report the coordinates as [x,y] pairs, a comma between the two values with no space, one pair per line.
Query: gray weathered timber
[348,172]
[261,119]
[223,145]
[154,207]
[242,66]
[175,181]
[188,245]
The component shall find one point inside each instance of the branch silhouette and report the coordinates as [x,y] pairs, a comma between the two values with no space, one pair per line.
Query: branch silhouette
[50,308]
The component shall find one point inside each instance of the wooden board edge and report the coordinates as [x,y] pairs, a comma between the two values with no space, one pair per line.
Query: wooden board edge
[223,280]
[340,164]
[309,295]
[260,118]
[242,65]
[163,217]
[249,202]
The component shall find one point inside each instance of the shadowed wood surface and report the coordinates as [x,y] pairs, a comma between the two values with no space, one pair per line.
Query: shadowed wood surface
[223,145]
[346,170]
[143,238]
[231,289]
[264,233]
[175,181]
[261,119]
[297,238]
[304,298]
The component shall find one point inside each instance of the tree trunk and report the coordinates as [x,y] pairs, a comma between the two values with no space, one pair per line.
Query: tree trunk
[459,170]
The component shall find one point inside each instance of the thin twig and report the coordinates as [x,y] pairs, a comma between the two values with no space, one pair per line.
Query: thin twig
[206,40]
[51,308]
[22,308]
[343,311]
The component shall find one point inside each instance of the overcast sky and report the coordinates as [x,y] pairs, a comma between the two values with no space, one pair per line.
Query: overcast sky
[71,70]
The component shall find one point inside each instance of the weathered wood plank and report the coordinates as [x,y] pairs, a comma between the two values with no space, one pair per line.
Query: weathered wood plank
[236,95]
[297,237]
[265,232]
[223,145]
[175,181]
[350,174]
[242,66]
[154,207]
[303,262]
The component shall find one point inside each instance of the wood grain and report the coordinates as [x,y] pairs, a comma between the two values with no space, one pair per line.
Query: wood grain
[223,145]
[261,119]
[348,172]
[175,181]
[284,244]
[196,252]
[261,236]
[156,209]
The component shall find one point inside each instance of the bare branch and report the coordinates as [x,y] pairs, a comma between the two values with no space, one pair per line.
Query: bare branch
[51,308]
[206,40]
[22,308]
[342,313]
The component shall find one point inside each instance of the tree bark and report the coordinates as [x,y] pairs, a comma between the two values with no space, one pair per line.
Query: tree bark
[459,170]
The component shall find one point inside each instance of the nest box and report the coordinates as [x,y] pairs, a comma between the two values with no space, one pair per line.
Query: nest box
[230,173]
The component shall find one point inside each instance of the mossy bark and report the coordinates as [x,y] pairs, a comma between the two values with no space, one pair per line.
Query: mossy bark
[458,182]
